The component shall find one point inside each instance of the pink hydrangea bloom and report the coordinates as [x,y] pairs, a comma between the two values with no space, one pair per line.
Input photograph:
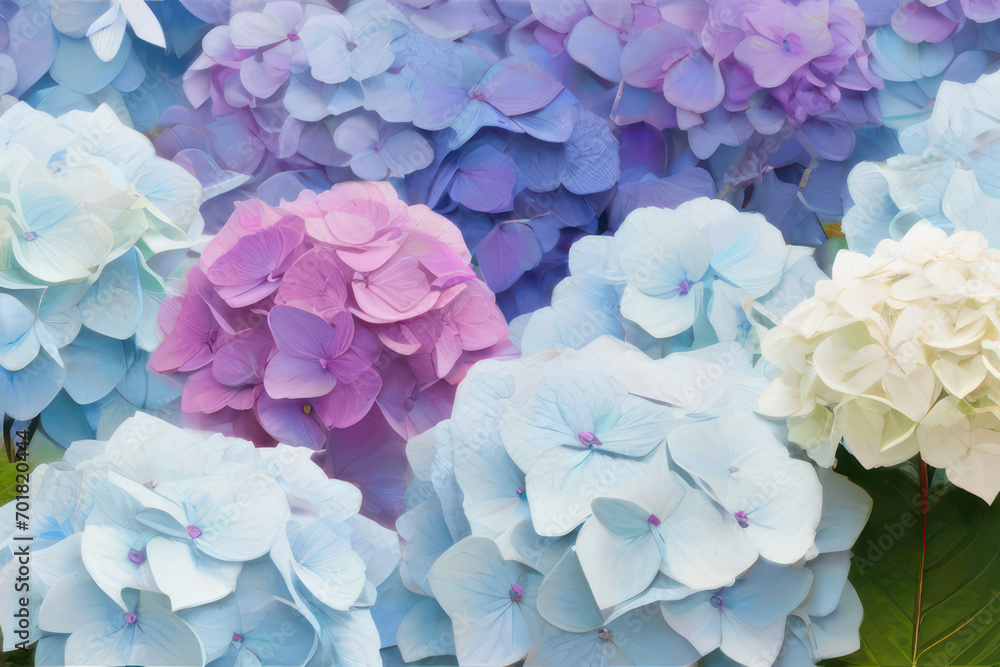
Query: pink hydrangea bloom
[329,310]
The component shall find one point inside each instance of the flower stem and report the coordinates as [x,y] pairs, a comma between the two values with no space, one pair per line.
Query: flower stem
[924,488]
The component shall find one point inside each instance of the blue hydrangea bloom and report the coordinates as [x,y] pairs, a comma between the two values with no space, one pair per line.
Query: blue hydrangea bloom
[165,547]
[640,492]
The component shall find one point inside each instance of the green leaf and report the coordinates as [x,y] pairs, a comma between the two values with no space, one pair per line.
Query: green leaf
[17,657]
[8,482]
[957,623]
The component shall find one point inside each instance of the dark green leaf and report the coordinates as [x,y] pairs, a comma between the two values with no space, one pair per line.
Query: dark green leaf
[959,615]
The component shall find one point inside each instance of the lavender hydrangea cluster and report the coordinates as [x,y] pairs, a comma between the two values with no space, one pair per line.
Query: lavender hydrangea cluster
[726,69]
[486,117]
[596,503]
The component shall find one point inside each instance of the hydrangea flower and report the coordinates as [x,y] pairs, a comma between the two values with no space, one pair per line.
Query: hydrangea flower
[94,223]
[29,48]
[761,66]
[189,549]
[895,356]
[683,533]
[944,176]
[308,317]
[667,275]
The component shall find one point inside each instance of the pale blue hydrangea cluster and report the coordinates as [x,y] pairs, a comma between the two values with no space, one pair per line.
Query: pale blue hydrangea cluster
[92,222]
[167,547]
[946,175]
[674,279]
[598,505]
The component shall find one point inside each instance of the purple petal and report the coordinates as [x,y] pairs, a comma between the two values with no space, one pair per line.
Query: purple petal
[485,180]
[347,403]
[304,335]
[242,361]
[203,393]
[293,422]
[506,253]
[517,85]
[314,283]
[292,377]
[252,269]
[597,46]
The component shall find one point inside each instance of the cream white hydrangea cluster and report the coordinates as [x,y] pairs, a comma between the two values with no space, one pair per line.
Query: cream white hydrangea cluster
[898,354]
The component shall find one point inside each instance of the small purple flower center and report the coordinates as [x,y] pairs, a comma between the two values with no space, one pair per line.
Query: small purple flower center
[516,593]
[653,520]
[131,618]
[589,439]
[734,469]
[520,493]
[716,600]
[150,485]
[237,637]
[259,56]
[307,408]
[29,236]
[605,635]
[788,47]
[137,557]
[323,363]
[293,36]
[194,531]
[684,287]
[742,518]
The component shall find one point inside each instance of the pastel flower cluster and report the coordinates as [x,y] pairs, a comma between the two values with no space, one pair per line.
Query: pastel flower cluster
[741,67]
[307,317]
[896,355]
[166,547]
[946,174]
[597,503]
[674,279]
[932,21]
[30,45]
[93,220]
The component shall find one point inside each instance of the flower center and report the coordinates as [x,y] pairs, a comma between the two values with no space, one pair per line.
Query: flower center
[716,599]
[151,485]
[323,363]
[653,520]
[131,618]
[29,236]
[137,557]
[307,408]
[589,439]
[259,56]
[194,531]
[293,36]
[605,635]
[237,637]
[733,469]
[788,47]
[516,593]
[521,493]
[742,518]
[684,287]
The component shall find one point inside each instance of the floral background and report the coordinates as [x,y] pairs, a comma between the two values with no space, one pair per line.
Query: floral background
[499,332]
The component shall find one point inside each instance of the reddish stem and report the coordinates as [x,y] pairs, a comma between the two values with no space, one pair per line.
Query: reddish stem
[924,492]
